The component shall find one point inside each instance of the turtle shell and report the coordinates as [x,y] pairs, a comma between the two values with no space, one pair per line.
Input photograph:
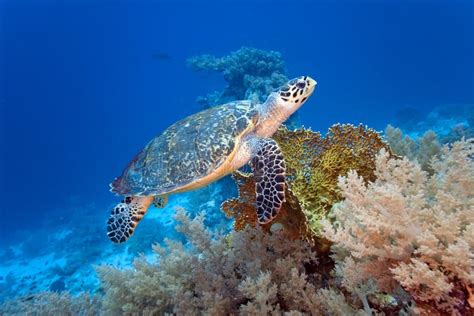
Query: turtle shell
[188,150]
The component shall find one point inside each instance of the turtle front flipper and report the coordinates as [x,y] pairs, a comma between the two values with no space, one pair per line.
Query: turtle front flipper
[269,171]
[125,216]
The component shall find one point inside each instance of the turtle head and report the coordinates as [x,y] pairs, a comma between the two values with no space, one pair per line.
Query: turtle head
[283,102]
[295,92]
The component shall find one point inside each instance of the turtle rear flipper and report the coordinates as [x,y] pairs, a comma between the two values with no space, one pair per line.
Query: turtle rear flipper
[125,216]
[269,171]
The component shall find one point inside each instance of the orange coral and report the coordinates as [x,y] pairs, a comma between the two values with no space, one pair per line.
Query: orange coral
[243,210]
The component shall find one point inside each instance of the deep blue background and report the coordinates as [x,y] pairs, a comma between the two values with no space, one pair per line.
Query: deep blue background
[80,93]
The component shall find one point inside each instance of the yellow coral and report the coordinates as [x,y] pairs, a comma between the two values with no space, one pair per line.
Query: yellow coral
[313,164]
[316,162]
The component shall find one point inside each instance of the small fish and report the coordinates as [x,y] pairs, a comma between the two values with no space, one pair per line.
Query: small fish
[28,298]
[161,56]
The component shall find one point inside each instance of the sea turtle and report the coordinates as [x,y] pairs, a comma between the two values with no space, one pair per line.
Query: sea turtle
[203,148]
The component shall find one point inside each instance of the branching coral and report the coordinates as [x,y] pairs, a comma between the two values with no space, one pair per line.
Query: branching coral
[410,229]
[251,74]
[313,166]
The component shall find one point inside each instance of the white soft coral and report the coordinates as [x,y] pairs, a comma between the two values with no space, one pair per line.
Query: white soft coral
[408,227]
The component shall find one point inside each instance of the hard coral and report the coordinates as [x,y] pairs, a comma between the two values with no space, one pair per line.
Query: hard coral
[250,73]
[314,164]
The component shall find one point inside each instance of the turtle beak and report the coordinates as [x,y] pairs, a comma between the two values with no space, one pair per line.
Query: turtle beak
[310,85]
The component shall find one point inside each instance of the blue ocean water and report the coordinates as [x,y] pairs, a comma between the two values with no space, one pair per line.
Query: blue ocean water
[84,85]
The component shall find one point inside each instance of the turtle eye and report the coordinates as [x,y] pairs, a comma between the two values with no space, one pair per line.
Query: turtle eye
[301,85]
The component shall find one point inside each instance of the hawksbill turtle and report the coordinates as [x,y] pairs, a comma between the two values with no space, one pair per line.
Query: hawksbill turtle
[205,147]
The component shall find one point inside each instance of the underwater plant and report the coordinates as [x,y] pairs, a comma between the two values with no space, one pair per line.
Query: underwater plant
[313,165]
[250,73]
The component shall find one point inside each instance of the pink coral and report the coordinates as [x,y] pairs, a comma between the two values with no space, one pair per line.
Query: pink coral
[409,228]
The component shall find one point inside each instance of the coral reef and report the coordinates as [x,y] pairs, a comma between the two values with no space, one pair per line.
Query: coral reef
[399,226]
[423,149]
[409,230]
[368,227]
[58,255]
[459,131]
[52,303]
[248,272]
[403,244]
[314,164]
[250,73]
[450,122]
